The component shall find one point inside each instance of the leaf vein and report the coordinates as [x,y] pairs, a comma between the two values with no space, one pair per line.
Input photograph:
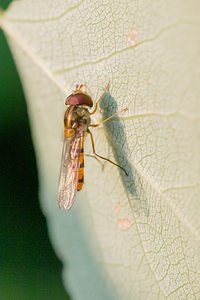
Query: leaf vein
[13,20]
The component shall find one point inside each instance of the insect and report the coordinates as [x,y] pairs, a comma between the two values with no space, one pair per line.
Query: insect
[76,126]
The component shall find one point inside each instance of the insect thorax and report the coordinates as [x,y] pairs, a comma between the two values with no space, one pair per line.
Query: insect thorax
[77,118]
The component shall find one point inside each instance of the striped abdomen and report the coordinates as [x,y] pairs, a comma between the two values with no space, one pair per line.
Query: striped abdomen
[81,161]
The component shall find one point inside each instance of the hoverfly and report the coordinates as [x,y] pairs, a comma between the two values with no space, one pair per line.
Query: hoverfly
[76,125]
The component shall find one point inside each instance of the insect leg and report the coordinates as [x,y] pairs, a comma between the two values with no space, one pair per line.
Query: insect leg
[89,155]
[96,125]
[93,148]
[100,99]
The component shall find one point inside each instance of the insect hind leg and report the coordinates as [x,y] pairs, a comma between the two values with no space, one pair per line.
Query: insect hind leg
[110,161]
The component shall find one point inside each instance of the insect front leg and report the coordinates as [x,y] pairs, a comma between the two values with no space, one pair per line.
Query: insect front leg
[100,99]
[96,125]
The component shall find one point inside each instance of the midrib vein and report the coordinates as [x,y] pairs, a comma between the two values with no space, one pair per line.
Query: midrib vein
[171,206]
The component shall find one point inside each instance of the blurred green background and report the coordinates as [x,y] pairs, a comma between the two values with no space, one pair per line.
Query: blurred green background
[29,268]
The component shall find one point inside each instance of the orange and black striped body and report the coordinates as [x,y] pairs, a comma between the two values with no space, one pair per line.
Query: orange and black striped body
[81,160]
[76,121]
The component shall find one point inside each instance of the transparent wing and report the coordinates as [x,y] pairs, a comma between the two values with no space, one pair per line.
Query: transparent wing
[69,172]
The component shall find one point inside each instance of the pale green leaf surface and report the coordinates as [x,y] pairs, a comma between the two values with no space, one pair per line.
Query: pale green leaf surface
[57,44]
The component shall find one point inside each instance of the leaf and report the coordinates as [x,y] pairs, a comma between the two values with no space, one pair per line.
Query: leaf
[112,244]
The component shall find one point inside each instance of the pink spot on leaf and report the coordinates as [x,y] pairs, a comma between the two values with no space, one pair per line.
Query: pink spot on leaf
[131,37]
[117,208]
[124,223]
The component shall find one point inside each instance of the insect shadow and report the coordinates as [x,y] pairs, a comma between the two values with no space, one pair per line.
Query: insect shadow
[133,183]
